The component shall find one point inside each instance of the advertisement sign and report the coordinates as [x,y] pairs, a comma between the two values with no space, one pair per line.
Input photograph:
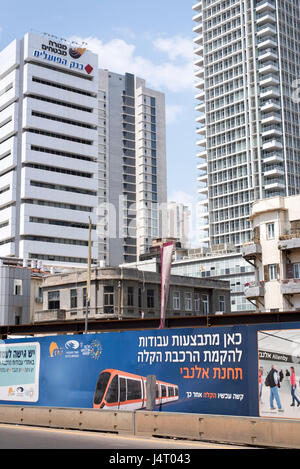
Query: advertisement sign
[19,371]
[52,51]
[279,373]
[220,370]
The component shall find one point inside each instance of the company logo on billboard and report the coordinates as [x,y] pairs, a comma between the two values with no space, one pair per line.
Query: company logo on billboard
[54,350]
[76,53]
[72,345]
[95,349]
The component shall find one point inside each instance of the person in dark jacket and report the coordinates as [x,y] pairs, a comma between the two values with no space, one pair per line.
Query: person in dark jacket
[274,385]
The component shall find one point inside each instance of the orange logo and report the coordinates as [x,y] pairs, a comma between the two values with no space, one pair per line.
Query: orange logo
[76,53]
[54,350]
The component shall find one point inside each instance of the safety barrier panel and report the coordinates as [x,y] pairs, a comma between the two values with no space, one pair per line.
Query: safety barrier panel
[267,432]
[272,432]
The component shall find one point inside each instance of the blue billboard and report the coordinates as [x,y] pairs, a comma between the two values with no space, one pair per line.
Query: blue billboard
[219,370]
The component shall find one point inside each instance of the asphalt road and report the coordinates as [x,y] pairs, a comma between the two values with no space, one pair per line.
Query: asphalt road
[26,437]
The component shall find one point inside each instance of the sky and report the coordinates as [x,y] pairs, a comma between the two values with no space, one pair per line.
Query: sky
[151,39]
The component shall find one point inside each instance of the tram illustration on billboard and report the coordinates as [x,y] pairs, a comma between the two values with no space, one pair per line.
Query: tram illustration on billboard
[119,390]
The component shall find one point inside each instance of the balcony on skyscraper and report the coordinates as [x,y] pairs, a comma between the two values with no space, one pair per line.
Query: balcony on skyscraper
[268,67]
[270,92]
[203,188]
[265,42]
[276,171]
[267,29]
[271,117]
[272,158]
[201,130]
[200,107]
[269,80]
[265,5]
[203,176]
[271,131]
[269,53]
[202,143]
[270,105]
[265,17]
[274,184]
[273,144]
[197,6]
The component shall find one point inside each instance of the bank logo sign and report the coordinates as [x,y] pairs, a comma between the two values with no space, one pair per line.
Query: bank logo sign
[76,53]
[57,53]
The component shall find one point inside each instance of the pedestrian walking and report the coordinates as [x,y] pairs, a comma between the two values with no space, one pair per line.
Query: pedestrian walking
[272,380]
[293,387]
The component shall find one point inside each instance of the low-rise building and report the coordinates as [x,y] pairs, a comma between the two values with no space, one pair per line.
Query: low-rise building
[20,290]
[14,295]
[274,252]
[119,292]
[221,262]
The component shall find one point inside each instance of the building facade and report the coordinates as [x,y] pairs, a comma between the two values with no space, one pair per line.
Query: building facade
[14,295]
[132,167]
[275,254]
[247,55]
[20,290]
[222,264]
[122,292]
[48,150]
[77,145]
[179,218]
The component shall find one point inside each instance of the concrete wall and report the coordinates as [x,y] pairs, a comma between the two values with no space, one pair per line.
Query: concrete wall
[259,432]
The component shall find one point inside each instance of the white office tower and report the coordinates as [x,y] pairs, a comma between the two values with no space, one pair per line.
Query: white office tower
[179,216]
[248,60]
[132,167]
[48,150]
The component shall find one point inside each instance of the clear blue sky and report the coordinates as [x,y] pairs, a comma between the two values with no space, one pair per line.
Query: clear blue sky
[152,39]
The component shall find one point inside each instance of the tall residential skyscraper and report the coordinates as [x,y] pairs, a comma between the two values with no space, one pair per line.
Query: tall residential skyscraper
[132,191]
[48,150]
[247,67]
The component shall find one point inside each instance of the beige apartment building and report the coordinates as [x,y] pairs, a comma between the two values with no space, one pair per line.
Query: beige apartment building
[275,253]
